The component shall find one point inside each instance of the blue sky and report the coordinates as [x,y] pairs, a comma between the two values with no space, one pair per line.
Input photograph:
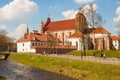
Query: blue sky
[15,14]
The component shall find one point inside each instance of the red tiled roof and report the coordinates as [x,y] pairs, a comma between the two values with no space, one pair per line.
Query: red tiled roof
[61,25]
[36,37]
[76,35]
[100,30]
[114,38]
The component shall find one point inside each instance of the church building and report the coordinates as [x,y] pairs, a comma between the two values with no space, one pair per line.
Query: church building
[65,35]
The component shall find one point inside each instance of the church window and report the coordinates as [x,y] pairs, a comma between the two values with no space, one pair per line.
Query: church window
[66,36]
[59,37]
[70,43]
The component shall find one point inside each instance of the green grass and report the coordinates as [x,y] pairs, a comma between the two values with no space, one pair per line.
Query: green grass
[80,70]
[109,53]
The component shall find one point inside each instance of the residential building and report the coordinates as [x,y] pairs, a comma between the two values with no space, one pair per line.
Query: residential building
[115,42]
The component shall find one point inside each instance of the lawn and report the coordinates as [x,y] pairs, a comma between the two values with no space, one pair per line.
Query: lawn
[80,70]
[109,53]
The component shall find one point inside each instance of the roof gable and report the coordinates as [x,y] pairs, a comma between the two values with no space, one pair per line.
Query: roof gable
[76,35]
[99,30]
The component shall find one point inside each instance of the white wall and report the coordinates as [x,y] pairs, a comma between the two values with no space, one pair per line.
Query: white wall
[24,47]
[79,41]
[115,44]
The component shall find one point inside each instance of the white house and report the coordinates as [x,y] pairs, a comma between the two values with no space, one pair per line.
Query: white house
[31,40]
[115,42]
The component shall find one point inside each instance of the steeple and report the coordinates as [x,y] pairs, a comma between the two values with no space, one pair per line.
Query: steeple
[80,22]
[27,29]
[41,27]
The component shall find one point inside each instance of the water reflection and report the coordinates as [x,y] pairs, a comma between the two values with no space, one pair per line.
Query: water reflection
[15,71]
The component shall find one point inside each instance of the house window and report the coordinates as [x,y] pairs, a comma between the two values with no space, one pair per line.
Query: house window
[23,44]
[76,44]
[32,44]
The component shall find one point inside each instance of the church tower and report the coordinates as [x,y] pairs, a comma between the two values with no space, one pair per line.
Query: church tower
[27,29]
[81,22]
[41,27]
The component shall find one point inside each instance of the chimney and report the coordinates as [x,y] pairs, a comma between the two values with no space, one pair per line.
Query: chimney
[41,27]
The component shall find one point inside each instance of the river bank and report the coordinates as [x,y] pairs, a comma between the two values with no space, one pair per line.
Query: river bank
[10,70]
[72,68]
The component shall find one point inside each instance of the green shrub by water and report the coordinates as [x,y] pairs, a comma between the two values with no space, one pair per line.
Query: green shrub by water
[80,70]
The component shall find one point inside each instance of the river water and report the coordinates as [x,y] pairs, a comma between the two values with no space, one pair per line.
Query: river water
[16,71]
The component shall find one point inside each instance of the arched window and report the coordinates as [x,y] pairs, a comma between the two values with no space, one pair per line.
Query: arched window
[59,37]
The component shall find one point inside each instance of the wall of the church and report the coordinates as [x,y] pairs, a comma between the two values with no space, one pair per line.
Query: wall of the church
[62,35]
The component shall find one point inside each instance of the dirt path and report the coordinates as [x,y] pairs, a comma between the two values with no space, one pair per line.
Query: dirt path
[114,61]
[16,71]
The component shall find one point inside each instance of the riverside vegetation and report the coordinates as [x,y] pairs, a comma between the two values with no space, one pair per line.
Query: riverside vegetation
[79,70]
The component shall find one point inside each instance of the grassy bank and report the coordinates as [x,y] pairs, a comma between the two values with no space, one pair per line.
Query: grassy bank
[79,70]
[109,53]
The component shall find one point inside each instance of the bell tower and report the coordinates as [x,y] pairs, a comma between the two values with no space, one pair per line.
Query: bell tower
[80,22]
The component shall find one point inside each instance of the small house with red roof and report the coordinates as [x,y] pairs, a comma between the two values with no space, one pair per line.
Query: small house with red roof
[115,42]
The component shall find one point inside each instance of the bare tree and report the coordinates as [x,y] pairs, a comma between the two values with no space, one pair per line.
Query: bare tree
[118,28]
[93,19]
[4,40]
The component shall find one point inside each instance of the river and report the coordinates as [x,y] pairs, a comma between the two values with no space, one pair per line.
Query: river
[16,71]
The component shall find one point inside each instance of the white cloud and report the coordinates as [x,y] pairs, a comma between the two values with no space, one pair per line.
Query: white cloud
[118,11]
[19,31]
[3,27]
[71,13]
[117,19]
[83,1]
[87,7]
[17,10]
